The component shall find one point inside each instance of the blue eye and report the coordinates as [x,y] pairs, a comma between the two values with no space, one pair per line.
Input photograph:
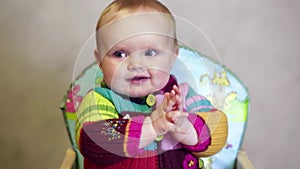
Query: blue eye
[120,54]
[151,52]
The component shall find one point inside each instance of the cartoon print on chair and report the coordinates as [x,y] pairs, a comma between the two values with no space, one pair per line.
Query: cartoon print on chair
[225,97]
[225,91]
[73,99]
[209,163]
[219,82]
[221,96]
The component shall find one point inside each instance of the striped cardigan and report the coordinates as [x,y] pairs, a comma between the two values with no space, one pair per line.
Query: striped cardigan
[109,127]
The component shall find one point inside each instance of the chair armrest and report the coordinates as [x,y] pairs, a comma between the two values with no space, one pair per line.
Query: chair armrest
[243,161]
[69,159]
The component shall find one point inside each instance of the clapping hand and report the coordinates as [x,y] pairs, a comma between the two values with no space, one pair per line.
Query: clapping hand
[169,114]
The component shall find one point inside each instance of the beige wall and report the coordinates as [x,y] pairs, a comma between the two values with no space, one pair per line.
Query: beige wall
[40,40]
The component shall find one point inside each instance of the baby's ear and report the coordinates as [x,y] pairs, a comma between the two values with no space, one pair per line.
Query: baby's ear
[176,52]
[97,56]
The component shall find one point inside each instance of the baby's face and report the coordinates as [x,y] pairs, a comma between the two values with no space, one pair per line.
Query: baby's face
[139,65]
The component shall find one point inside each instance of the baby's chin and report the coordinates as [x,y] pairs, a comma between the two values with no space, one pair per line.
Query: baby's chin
[140,93]
[136,94]
[133,93]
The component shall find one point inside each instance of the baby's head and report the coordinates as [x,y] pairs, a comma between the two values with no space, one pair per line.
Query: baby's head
[136,46]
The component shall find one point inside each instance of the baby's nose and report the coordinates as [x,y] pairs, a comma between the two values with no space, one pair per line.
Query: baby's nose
[136,63]
[135,66]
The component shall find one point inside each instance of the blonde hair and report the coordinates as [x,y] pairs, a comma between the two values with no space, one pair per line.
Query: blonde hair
[121,8]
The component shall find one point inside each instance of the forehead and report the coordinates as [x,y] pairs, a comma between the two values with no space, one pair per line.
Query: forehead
[146,41]
[150,23]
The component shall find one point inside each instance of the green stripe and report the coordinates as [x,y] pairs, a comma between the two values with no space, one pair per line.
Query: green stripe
[93,116]
[199,103]
[106,108]
[122,104]
[71,116]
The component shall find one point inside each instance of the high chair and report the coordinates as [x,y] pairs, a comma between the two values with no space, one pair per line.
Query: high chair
[208,77]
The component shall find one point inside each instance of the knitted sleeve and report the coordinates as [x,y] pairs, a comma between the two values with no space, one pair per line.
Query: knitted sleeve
[102,135]
[210,124]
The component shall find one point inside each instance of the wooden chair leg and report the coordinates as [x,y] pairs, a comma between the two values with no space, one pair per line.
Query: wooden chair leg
[243,161]
[69,159]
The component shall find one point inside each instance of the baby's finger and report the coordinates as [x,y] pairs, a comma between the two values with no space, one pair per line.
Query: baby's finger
[166,96]
[178,97]
[176,129]
[177,90]
[181,114]
[173,95]
[166,99]
[168,102]
[173,116]
[179,102]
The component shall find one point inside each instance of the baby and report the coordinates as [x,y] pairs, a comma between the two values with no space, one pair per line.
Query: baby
[140,117]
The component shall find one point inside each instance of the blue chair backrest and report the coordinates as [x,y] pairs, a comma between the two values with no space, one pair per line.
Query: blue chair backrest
[208,77]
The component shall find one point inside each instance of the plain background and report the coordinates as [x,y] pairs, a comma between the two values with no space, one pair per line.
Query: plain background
[40,41]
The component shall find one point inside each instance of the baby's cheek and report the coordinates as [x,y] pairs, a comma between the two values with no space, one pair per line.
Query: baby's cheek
[162,79]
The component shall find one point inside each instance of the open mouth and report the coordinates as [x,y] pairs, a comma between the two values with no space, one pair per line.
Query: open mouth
[139,79]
